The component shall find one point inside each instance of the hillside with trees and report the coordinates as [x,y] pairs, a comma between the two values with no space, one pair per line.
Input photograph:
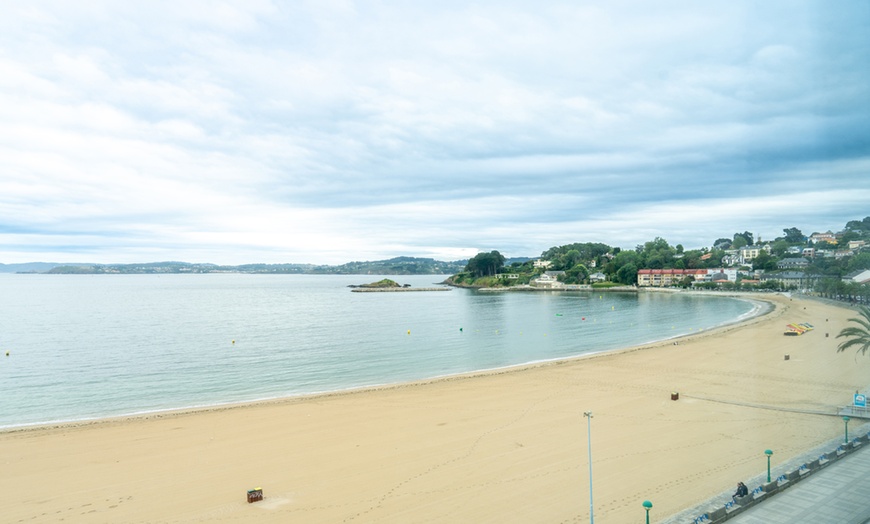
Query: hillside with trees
[822,259]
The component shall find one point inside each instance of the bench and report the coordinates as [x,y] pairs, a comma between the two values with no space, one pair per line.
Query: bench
[757,493]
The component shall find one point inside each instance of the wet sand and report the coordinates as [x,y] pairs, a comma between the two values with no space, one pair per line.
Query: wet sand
[506,446]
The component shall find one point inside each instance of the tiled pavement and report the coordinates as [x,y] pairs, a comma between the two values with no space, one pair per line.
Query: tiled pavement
[838,494]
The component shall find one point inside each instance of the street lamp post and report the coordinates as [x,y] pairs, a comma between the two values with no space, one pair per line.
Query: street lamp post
[588,415]
[647,505]
[846,438]
[768,453]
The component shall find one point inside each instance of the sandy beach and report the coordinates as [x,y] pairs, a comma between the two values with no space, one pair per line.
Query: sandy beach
[507,446]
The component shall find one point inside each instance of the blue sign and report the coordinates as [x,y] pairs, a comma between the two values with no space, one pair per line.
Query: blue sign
[860,401]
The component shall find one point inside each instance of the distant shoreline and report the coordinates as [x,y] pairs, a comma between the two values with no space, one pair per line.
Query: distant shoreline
[396,289]
[625,289]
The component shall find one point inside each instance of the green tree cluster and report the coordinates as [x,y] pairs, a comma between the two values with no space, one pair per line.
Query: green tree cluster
[567,256]
[837,289]
[622,266]
[485,264]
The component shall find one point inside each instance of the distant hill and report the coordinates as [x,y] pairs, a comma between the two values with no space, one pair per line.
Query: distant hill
[29,267]
[509,261]
[393,266]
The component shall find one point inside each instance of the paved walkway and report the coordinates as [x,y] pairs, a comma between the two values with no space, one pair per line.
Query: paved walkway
[838,494]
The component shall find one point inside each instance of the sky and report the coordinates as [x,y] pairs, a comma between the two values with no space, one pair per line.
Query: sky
[331,131]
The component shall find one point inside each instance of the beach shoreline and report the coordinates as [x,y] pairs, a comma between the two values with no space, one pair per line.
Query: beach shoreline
[473,447]
[763,307]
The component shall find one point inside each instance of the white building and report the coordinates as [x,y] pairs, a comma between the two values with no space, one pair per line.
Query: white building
[861,276]
[548,279]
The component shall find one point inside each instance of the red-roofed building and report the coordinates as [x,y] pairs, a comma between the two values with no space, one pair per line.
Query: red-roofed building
[666,277]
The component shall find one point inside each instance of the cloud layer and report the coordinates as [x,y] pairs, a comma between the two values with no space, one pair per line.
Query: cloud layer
[331,131]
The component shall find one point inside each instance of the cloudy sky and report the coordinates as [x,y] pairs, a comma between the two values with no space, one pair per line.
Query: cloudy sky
[328,131]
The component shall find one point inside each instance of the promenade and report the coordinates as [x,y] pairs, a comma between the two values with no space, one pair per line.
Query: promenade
[834,495]
[834,492]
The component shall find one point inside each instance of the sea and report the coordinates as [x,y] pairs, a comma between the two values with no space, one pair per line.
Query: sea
[83,347]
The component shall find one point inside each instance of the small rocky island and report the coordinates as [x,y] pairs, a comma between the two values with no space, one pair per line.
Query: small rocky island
[387,285]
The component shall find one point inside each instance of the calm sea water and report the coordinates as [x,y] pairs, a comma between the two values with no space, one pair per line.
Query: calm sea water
[90,346]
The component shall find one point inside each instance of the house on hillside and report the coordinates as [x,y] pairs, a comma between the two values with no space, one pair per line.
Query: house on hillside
[796,279]
[828,237]
[548,279]
[707,275]
[731,258]
[749,253]
[718,278]
[597,277]
[793,263]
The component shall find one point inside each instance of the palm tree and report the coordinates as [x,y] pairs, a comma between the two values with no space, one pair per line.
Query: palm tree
[857,336]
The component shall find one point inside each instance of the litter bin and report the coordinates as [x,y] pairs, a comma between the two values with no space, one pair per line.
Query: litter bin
[675,396]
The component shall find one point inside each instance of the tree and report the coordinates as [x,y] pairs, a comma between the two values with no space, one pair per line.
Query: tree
[568,260]
[576,275]
[780,247]
[587,251]
[859,261]
[657,254]
[627,274]
[857,335]
[844,239]
[485,264]
[764,261]
[746,235]
[621,259]
[859,225]
[793,235]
